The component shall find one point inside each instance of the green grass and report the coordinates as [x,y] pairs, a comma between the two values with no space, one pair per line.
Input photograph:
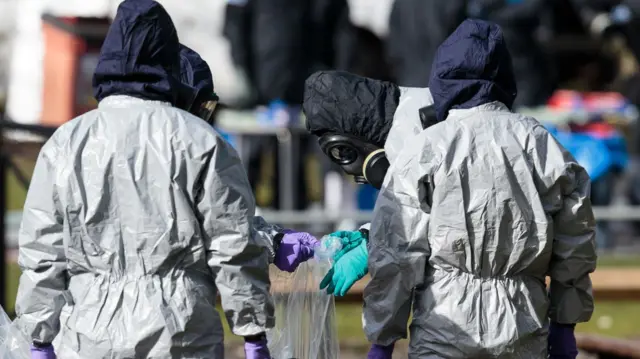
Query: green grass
[16,193]
[619,261]
[12,276]
[615,319]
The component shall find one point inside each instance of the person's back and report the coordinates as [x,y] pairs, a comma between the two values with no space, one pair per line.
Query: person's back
[474,213]
[490,233]
[132,231]
[138,215]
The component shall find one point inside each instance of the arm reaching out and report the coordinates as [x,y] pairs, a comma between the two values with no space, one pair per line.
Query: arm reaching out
[238,260]
[287,248]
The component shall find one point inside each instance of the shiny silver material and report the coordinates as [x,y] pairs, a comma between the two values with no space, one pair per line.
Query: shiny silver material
[406,120]
[137,216]
[466,228]
[264,234]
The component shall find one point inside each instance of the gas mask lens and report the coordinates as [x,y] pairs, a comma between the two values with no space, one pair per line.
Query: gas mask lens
[367,163]
[343,155]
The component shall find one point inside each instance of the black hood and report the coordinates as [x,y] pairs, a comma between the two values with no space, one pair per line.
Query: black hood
[140,56]
[344,103]
[472,67]
[195,76]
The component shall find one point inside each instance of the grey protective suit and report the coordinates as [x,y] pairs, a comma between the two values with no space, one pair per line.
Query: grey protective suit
[138,215]
[475,211]
[406,123]
[197,80]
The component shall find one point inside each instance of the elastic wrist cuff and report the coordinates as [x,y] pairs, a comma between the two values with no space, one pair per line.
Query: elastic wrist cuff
[255,338]
[560,325]
[277,240]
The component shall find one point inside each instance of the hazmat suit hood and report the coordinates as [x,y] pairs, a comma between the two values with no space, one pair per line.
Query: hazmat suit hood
[341,102]
[472,67]
[194,71]
[378,112]
[197,95]
[140,55]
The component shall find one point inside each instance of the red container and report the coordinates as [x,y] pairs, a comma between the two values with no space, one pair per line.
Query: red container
[566,100]
[72,46]
[605,102]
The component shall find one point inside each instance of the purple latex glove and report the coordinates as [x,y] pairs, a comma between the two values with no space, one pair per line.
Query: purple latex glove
[256,349]
[380,352]
[295,248]
[43,352]
[562,341]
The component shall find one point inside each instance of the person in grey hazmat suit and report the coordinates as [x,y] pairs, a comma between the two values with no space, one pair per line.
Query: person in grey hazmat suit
[139,214]
[287,248]
[474,212]
[361,136]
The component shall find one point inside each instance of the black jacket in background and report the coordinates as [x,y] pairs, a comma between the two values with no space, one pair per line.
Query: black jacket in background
[534,76]
[416,29]
[280,42]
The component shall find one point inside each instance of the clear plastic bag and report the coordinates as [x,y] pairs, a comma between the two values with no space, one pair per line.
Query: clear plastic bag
[13,344]
[305,315]
[327,248]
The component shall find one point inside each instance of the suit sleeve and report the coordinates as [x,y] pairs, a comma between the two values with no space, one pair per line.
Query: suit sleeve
[236,256]
[398,251]
[41,254]
[565,191]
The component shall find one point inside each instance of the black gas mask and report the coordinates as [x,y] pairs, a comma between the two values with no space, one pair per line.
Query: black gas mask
[198,102]
[204,105]
[367,163]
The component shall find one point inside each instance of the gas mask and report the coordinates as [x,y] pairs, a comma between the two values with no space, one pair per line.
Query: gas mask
[367,163]
[198,102]
[204,105]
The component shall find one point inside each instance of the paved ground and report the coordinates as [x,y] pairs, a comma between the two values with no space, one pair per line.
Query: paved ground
[352,352]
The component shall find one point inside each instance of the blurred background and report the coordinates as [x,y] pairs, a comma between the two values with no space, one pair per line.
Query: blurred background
[576,63]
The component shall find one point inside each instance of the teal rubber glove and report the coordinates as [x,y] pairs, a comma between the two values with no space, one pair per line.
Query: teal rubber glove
[347,270]
[350,240]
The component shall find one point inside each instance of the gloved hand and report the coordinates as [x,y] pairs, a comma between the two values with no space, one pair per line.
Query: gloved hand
[562,341]
[295,248]
[347,270]
[349,239]
[43,352]
[256,348]
[380,352]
